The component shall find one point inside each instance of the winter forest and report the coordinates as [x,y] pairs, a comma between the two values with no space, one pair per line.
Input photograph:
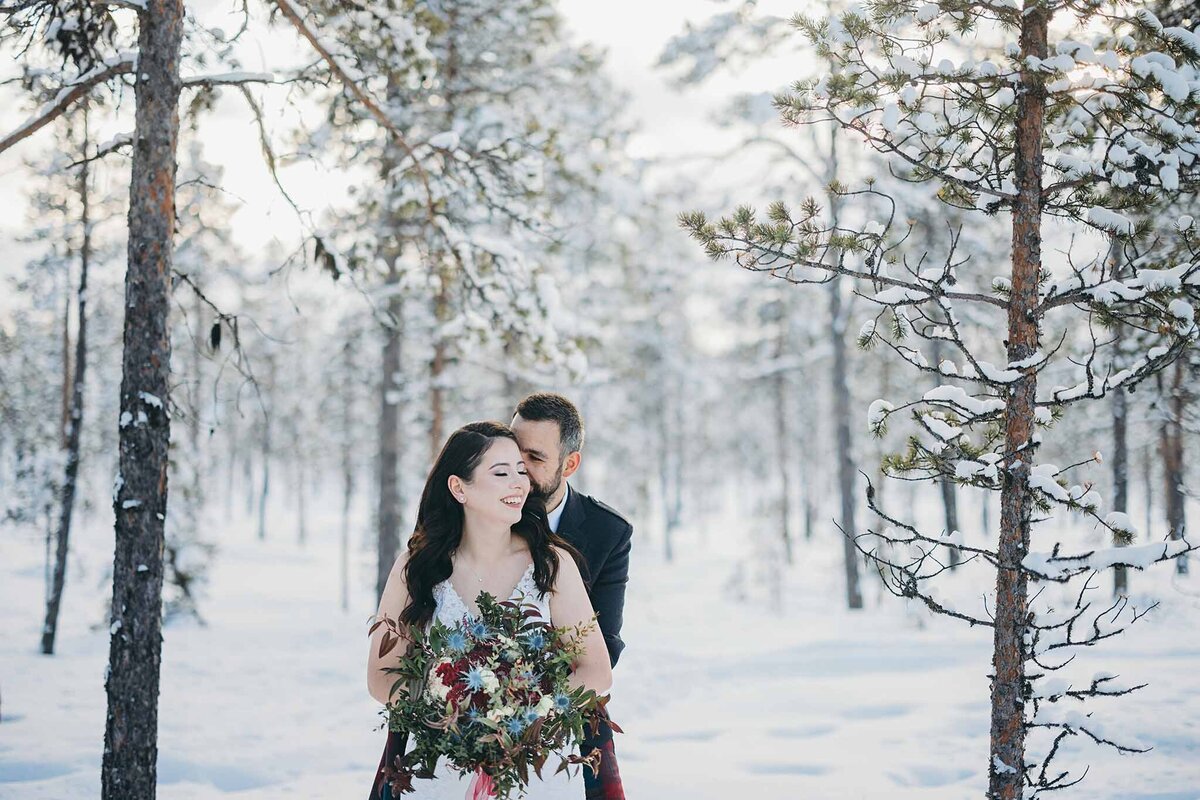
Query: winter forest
[881,318]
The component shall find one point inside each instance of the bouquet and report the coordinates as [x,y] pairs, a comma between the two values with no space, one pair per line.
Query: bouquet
[491,695]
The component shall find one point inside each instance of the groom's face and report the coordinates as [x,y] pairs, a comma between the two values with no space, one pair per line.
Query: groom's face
[540,444]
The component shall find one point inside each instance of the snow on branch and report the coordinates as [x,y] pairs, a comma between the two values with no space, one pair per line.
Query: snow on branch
[1053,566]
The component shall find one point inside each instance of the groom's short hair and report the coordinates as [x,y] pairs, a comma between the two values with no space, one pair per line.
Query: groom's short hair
[541,406]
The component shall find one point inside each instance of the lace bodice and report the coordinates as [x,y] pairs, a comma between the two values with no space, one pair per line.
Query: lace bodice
[451,608]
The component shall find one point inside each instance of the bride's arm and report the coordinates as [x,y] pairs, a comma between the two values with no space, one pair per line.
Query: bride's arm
[391,603]
[569,606]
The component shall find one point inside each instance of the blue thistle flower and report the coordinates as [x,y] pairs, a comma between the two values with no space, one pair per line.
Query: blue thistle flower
[473,715]
[457,641]
[562,702]
[475,679]
[480,630]
[529,716]
[536,640]
[515,726]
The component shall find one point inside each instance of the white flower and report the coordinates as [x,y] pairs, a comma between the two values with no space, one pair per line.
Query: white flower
[544,705]
[490,682]
[436,689]
[497,714]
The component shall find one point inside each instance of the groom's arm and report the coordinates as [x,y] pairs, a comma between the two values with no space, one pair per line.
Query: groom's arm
[608,591]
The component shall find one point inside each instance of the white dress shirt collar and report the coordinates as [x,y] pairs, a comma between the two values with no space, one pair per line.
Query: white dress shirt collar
[554,516]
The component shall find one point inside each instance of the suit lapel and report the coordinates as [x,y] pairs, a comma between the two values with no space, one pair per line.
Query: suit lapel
[570,527]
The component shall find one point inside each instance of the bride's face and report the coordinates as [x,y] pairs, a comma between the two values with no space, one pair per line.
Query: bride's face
[498,486]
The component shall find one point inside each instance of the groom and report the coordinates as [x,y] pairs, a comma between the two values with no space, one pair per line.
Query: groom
[550,434]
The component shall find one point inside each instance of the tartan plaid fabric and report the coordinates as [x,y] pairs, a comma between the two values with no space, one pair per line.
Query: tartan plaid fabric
[607,785]
[395,746]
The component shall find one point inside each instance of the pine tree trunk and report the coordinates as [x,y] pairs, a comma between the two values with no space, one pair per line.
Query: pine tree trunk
[783,440]
[838,319]
[1120,414]
[1171,444]
[437,369]
[1120,419]
[1009,686]
[389,437]
[841,413]
[948,488]
[74,427]
[1148,482]
[129,765]
[265,489]
[65,400]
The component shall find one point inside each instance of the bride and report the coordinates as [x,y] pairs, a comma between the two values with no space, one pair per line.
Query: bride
[478,531]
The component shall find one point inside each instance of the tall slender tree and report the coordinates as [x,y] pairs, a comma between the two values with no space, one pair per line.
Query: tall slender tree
[74,423]
[130,761]
[1084,130]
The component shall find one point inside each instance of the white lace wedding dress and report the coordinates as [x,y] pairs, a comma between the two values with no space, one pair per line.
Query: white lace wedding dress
[448,784]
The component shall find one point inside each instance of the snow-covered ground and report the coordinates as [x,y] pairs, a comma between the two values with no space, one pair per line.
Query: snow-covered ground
[719,698]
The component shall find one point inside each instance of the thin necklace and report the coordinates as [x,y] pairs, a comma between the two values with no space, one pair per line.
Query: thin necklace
[477,576]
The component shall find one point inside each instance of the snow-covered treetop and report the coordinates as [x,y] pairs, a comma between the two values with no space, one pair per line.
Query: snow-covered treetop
[1121,100]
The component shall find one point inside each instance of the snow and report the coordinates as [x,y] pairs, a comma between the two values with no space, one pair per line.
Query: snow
[877,414]
[1137,556]
[1001,767]
[1041,477]
[810,700]
[957,396]
[893,295]
[927,12]
[150,399]
[1110,220]
[1181,309]
[447,140]
[1120,521]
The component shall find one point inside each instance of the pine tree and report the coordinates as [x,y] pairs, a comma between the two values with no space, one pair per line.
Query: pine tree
[1082,130]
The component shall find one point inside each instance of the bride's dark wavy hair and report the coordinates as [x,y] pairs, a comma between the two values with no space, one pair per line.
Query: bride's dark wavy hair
[440,520]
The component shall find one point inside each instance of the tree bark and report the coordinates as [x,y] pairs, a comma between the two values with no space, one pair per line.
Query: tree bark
[389,435]
[841,412]
[783,439]
[74,423]
[948,489]
[1171,450]
[1006,766]
[1120,423]
[437,367]
[129,764]
[1120,467]
[841,403]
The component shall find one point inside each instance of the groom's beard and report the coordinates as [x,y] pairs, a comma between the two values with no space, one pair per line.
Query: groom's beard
[544,493]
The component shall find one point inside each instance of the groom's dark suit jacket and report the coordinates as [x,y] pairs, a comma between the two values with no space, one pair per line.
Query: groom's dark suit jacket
[603,537]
